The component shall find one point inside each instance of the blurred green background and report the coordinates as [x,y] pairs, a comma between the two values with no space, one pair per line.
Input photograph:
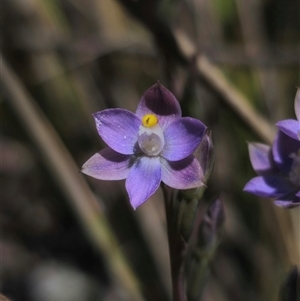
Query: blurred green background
[63,60]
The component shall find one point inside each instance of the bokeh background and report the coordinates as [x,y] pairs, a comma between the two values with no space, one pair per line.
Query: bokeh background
[233,64]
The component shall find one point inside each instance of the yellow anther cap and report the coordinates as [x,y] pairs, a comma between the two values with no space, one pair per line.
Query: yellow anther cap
[149,120]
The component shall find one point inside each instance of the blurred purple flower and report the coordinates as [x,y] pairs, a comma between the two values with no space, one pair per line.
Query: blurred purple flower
[155,144]
[291,127]
[278,168]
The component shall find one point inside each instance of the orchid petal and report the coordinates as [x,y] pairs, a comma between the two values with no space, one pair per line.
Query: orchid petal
[161,102]
[286,204]
[143,180]
[107,165]
[283,147]
[288,201]
[183,174]
[290,127]
[182,137]
[269,186]
[119,129]
[261,158]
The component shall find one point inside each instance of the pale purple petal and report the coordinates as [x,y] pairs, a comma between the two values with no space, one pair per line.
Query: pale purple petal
[107,165]
[283,147]
[119,129]
[286,204]
[261,158]
[297,104]
[143,180]
[269,186]
[159,101]
[290,127]
[182,137]
[183,174]
[288,201]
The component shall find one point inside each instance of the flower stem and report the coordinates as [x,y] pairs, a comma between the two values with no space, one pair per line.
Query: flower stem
[177,247]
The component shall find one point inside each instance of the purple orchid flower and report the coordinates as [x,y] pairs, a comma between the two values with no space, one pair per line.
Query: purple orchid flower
[278,168]
[155,144]
[291,127]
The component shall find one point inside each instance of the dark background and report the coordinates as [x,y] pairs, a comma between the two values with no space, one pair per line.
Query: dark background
[76,57]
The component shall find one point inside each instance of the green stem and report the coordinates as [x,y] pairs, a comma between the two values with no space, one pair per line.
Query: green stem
[177,247]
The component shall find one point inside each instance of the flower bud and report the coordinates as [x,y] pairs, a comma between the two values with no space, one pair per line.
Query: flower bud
[290,289]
